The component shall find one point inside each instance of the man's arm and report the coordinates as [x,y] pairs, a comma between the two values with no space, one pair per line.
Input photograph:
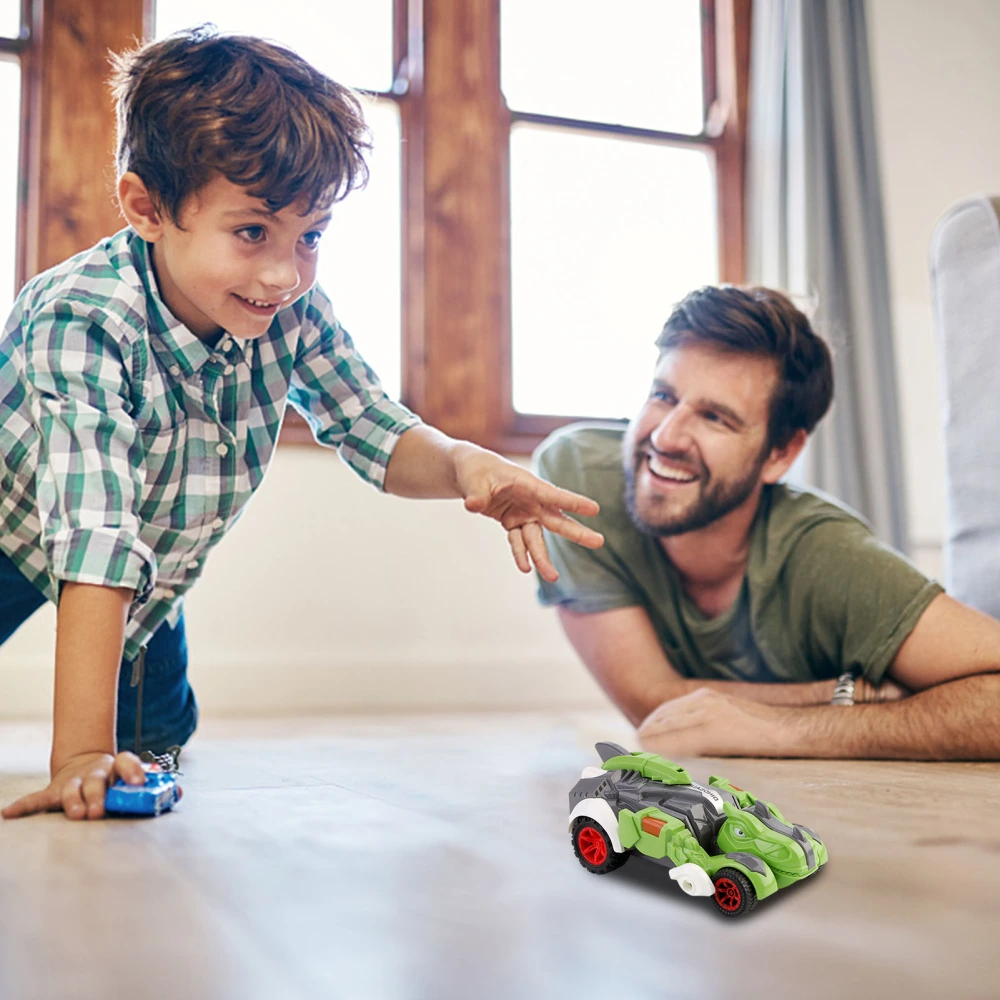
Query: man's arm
[953,721]
[949,641]
[621,649]
[90,628]
[952,657]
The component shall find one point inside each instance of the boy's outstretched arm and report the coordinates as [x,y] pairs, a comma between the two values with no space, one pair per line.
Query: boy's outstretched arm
[90,629]
[428,464]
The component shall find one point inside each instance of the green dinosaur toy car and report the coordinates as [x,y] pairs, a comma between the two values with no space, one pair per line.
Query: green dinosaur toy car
[716,840]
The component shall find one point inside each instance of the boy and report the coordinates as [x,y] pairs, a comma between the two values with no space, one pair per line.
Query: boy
[143,383]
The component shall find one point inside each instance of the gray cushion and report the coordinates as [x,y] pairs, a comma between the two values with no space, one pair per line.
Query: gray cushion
[965,280]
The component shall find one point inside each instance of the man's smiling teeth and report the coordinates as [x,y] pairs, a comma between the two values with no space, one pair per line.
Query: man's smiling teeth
[257,302]
[658,468]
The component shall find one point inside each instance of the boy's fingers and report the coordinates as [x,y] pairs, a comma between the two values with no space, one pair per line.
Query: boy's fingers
[535,542]
[27,805]
[559,524]
[95,787]
[518,548]
[72,799]
[129,767]
[575,503]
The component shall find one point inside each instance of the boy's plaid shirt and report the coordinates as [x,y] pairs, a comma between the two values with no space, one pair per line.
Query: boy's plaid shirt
[128,447]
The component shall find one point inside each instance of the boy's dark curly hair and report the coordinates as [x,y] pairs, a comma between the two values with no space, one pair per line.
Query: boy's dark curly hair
[199,103]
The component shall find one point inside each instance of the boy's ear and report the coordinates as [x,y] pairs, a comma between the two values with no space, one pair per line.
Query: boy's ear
[139,208]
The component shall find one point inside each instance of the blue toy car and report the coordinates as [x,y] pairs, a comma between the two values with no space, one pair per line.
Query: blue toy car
[158,795]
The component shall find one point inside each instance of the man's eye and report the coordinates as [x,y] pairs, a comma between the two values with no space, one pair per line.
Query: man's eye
[252,234]
[661,395]
[312,239]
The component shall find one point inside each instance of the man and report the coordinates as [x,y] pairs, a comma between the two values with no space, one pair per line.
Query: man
[726,610]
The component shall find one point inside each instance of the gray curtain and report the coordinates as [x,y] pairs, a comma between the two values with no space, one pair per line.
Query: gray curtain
[815,228]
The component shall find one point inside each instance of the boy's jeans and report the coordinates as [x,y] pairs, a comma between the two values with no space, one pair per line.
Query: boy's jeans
[169,711]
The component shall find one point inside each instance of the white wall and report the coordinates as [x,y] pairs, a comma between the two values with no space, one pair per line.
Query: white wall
[328,595]
[937,100]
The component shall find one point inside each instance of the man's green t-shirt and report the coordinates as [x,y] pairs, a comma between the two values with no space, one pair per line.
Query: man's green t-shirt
[821,594]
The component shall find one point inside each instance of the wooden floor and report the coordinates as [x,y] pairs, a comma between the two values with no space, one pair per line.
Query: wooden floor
[428,858]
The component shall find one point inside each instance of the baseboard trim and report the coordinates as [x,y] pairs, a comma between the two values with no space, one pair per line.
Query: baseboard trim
[259,689]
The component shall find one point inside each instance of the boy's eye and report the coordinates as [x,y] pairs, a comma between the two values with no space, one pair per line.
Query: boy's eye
[312,239]
[662,395]
[252,234]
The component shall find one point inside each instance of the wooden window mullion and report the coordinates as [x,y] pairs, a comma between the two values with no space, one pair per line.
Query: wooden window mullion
[70,198]
[464,138]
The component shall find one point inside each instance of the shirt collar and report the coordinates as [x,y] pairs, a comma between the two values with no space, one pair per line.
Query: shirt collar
[173,342]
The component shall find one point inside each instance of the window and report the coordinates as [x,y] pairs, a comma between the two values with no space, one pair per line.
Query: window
[549,176]
[583,170]
[612,195]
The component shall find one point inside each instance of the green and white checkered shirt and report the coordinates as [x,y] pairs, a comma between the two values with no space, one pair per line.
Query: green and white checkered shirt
[128,447]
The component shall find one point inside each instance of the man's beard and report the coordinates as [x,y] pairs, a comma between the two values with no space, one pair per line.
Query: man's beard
[715,500]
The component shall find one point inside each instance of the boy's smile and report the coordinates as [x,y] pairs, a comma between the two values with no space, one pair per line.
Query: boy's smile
[229,263]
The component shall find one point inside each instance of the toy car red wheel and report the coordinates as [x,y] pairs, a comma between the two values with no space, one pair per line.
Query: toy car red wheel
[593,847]
[734,892]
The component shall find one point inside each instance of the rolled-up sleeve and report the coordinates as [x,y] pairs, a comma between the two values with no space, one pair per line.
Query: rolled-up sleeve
[90,462]
[341,397]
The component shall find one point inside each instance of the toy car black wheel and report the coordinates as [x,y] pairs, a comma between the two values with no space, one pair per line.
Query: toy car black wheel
[734,893]
[593,847]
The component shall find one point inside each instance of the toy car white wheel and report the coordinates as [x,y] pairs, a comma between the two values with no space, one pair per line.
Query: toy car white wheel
[593,847]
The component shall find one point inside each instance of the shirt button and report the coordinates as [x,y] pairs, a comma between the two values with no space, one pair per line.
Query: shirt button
[228,370]
[175,370]
[221,449]
[193,564]
[218,523]
[224,345]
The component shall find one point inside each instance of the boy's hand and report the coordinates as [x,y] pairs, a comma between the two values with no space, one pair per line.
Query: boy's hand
[79,786]
[524,505]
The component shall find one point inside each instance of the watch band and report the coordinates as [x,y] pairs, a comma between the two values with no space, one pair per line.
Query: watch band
[843,692]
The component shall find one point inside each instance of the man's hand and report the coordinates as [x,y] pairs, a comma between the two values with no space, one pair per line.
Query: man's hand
[523,504]
[707,723]
[79,786]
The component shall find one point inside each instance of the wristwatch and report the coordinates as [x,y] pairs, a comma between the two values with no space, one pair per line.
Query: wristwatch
[843,692]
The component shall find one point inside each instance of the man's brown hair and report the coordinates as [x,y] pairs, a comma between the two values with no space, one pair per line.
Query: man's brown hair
[764,323]
[199,103]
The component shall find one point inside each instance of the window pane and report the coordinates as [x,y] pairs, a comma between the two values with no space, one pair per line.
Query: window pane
[636,63]
[359,260]
[349,41]
[606,235]
[10,18]
[10,125]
